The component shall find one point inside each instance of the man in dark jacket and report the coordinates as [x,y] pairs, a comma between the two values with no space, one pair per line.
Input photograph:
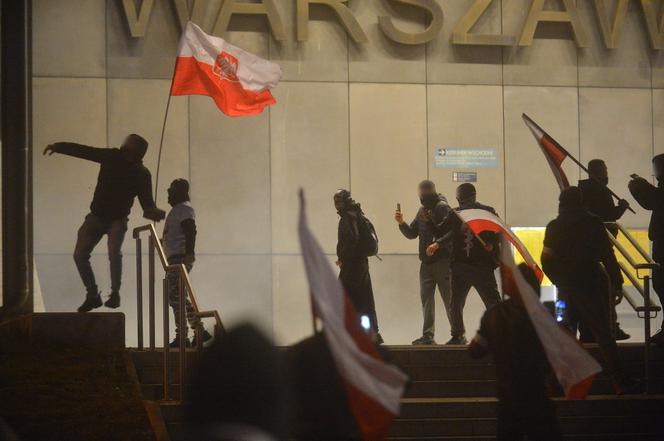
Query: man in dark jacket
[506,332]
[353,263]
[122,177]
[434,269]
[473,261]
[576,252]
[598,200]
[652,198]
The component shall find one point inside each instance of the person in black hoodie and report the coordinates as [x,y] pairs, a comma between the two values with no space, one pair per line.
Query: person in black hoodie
[122,177]
[353,264]
[434,269]
[598,200]
[473,262]
[652,198]
[576,252]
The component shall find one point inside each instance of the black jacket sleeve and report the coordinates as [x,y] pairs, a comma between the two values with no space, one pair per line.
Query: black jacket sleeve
[189,230]
[81,151]
[442,229]
[646,194]
[411,231]
[348,238]
[144,191]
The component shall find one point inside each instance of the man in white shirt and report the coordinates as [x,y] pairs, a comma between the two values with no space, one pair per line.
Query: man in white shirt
[179,242]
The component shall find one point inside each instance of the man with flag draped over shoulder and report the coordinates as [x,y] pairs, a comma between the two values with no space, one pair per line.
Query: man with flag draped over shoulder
[473,259]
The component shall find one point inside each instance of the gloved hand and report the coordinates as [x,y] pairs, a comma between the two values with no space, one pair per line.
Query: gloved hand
[154,214]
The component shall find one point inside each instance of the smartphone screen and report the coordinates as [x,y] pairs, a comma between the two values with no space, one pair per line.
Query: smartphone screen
[398,206]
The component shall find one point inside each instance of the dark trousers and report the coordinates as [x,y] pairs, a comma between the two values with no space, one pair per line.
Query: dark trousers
[658,275]
[587,303]
[535,420]
[464,277]
[174,297]
[89,235]
[432,275]
[355,278]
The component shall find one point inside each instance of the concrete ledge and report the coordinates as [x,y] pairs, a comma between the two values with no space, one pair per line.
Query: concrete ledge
[95,329]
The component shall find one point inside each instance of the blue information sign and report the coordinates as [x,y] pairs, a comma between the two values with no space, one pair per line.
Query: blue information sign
[465,158]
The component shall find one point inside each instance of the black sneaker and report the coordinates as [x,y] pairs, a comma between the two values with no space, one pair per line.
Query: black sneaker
[620,334]
[205,336]
[90,304]
[113,300]
[461,341]
[425,340]
[176,342]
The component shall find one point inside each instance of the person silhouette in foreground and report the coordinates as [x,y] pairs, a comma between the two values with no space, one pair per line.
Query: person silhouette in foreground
[506,332]
[473,262]
[239,392]
[122,177]
[579,260]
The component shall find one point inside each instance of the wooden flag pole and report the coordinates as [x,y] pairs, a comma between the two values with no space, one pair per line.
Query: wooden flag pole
[576,161]
[161,145]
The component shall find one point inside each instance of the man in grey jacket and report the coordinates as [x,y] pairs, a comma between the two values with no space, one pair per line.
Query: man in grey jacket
[434,269]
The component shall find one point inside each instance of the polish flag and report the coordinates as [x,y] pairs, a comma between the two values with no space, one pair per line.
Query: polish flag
[574,368]
[373,387]
[554,153]
[237,81]
[479,220]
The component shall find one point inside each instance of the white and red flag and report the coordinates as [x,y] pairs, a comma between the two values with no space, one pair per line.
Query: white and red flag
[373,388]
[479,220]
[574,368]
[554,153]
[239,82]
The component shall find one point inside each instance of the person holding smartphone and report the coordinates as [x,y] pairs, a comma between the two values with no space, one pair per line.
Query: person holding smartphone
[434,269]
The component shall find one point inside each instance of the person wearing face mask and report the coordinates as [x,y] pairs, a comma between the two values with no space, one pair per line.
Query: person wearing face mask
[597,199]
[652,198]
[353,260]
[179,241]
[434,269]
[576,251]
[473,262]
[122,177]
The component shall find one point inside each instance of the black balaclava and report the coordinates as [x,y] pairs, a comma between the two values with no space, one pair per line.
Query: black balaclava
[342,200]
[428,196]
[570,198]
[466,194]
[134,148]
[598,171]
[178,192]
[658,168]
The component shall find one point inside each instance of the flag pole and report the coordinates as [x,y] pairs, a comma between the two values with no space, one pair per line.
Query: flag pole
[576,161]
[161,145]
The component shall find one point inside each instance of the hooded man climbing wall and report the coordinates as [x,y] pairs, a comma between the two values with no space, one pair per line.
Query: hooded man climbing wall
[122,177]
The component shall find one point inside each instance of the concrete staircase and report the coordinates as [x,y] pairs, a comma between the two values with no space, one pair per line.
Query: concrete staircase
[452,398]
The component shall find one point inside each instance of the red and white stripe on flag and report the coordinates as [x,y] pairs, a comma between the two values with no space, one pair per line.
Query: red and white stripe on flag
[552,152]
[373,387]
[239,82]
[479,220]
[574,368]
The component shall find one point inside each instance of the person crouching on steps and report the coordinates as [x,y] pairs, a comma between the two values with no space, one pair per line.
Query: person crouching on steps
[179,241]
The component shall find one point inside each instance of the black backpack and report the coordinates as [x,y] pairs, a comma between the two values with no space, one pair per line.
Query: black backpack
[368,239]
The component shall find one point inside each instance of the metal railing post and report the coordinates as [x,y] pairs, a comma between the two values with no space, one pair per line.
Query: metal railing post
[166,341]
[183,332]
[139,291]
[646,324]
[151,288]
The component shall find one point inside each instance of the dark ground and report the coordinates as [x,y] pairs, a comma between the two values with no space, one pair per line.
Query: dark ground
[63,393]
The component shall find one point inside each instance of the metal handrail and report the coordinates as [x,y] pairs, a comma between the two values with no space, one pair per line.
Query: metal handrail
[184,289]
[648,306]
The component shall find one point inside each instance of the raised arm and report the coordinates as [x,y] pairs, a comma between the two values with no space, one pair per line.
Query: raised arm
[646,194]
[81,151]
[150,210]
